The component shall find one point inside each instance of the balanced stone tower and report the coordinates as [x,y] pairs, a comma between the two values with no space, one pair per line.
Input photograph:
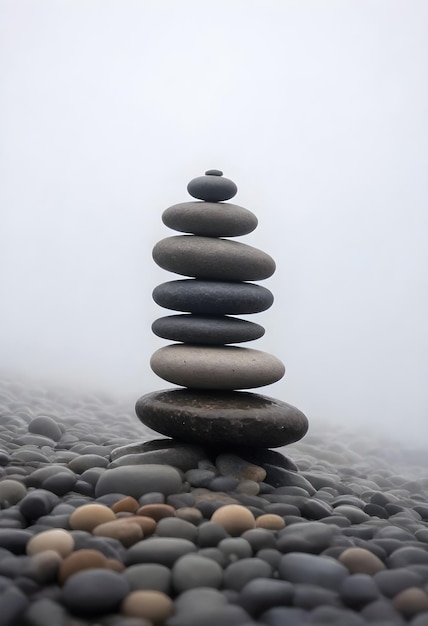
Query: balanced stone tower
[209,409]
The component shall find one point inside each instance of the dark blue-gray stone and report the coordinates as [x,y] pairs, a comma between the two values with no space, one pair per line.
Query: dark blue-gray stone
[222,417]
[299,567]
[210,219]
[238,574]
[210,258]
[206,329]
[359,590]
[13,603]
[310,537]
[94,591]
[136,480]
[213,187]
[261,594]
[148,576]
[214,298]
[163,550]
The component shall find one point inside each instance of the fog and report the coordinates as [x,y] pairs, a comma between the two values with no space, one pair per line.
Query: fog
[316,109]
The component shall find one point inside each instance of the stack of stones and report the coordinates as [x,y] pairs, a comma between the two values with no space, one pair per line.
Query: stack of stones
[210,410]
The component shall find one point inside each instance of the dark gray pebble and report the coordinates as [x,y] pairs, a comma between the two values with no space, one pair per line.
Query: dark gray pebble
[199,477]
[407,555]
[45,612]
[235,548]
[311,537]
[308,597]
[206,329]
[194,570]
[392,581]
[14,540]
[316,509]
[87,461]
[60,484]
[299,567]
[148,576]
[279,477]
[210,534]
[285,616]
[153,497]
[94,591]
[383,611]
[175,527]
[260,539]
[358,590]
[213,187]
[210,219]
[139,479]
[261,594]
[37,503]
[13,603]
[224,483]
[162,550]
[334,616]
[211,616]
[238,574]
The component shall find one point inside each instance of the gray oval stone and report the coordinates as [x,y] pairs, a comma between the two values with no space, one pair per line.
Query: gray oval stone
[136,480]
[214,417]
[213,259]
[193,570]
[215,367]
[210,219]
[163,550]
[94,591]
[299,567]
[212,297]
[207,329]
[212,187]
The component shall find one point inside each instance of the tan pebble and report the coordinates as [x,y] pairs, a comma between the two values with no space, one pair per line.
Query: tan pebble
[189,514]
[270,521]
[411,601]
[234,518]
[128,504]
[56,539]
[216,496]
[361,561]
[80,560]
[125,532]
[156,511]
[154,606]
[88,516]
[148,524]
[115,565]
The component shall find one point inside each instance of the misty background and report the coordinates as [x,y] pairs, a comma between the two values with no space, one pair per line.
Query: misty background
[317,109]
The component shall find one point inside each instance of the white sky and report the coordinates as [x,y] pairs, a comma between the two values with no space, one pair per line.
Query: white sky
[316,109]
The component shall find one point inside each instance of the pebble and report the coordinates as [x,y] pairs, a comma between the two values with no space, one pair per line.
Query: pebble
[88,516]
[210,219]
[212,298]
[140,479]
[46,426]
[225,418]
[162,550]
[213,367]
[310,537]
[206,329]
[235,519]
[209,258]
[152,605]
[11,491]
[59,540]
[193,570]
[80,560]
[239,573]
[312,569]
[213,187]
[94,591]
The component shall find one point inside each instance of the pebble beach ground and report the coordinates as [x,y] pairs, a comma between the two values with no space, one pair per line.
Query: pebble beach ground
[330,530]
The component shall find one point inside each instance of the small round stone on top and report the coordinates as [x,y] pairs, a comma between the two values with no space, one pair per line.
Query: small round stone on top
[212,187]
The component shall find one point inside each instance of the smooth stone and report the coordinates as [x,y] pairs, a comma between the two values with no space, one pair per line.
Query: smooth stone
[212,616]
[147,604]
[46,426]
[234,518]
[324,571]
[136,480]
[46,611]
[11,491]
[159,451]
[206,329]
[13,604]
[361,561]
[308,537]
[94,591]
[210,219]
[308,597]
[148,576]
[392,581]
[215,367]
[358,590]
[240,573]
[213,418]
[60,484]
[213,187]
[210,258]
[214,298]
[261,594]
[407,555]
[192,570]
[162,550]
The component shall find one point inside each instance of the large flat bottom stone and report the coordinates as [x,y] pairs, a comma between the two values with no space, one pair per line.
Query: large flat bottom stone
[222,417]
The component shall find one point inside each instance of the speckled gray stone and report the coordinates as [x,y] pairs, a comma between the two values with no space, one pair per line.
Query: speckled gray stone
[210,219]
[212,418]
[212,259]
[212,297]
[215,367]
[206,329]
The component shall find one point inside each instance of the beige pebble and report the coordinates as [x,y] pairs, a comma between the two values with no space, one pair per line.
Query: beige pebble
[234,518]
[88,516]
[115,565]
[125,532]
[189,514]
[148,524]
[156,511]
[128,505]
[270,521]
[56,539]
[361,561]
[80,560]
[154,606]
[411,601]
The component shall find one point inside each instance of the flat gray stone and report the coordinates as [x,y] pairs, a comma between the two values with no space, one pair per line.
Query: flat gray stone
[210,219]
[213,187]
[324,571]
[206,329]
[214,298]
[216,367]
[227,418]
[213,259]
[136,480]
